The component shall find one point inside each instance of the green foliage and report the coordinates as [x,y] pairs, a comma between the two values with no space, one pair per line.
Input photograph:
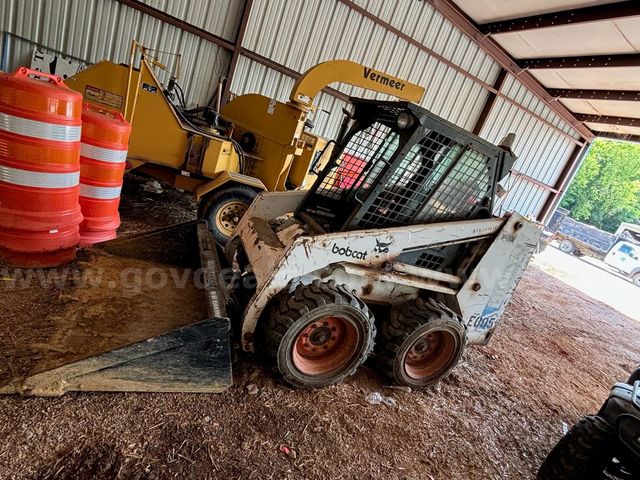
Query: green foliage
[606,190]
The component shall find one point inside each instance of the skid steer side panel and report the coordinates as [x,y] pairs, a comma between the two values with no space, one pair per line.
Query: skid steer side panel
[146,313]
[484,296]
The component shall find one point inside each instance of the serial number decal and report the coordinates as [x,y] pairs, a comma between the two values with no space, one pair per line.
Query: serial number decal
[102,96]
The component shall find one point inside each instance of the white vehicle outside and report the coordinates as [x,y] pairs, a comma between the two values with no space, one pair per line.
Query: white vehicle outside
[625,257]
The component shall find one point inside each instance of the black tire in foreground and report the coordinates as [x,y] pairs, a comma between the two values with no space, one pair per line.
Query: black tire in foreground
[635,376]
[420,343]
[582,454]
[223,209]
[317,335]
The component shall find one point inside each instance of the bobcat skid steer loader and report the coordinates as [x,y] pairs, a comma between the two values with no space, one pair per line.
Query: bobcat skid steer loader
[394,250]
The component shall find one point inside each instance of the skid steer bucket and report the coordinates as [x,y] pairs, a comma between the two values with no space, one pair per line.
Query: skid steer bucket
[143,314]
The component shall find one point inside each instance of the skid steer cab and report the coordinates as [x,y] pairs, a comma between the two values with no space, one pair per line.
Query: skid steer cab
[392,253]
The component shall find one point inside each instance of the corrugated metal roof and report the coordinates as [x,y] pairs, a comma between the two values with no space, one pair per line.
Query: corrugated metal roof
[571,30]
[103,29]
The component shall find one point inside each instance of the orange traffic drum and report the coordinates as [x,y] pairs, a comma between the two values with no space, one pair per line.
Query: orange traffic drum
[103,153]
[40,123]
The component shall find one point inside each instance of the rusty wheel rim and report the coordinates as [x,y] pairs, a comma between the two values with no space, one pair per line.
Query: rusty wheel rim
[430,354]
[325,346]
[229,216]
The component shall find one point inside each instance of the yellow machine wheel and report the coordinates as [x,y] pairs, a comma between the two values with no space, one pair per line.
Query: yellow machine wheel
[223,209]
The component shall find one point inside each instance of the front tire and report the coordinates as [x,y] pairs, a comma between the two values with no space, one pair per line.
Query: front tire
[636,279]
[582,454]
[420,343]
[567,246]
[223,209]
[318,335]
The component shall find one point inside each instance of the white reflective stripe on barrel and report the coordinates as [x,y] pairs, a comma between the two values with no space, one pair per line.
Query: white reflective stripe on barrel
[102,154]
[100,193]
[36,129]
[27,178]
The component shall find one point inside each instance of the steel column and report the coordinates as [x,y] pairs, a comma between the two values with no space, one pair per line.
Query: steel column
[564,179]
[242,28]
[491,99]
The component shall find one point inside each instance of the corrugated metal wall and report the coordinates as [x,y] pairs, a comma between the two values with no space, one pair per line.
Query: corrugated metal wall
[103,29]
[299,34]
[542,151]
[346,34]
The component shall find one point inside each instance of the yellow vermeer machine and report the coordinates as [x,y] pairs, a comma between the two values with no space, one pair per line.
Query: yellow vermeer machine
[226,155]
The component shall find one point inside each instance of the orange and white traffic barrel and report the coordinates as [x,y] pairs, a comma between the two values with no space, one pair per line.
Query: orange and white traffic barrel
[103,154]
[40,124]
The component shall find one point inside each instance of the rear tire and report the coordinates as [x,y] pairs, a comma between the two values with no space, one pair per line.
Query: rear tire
[566,246]
[420,343]
[318,335]
[223,209]
[636,279]
[582,454]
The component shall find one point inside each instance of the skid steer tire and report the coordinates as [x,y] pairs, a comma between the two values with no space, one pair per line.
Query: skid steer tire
[420,343]
[582,454]
[223,208]
[317,335]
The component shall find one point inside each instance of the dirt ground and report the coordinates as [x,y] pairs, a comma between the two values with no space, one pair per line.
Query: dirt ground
[552,360]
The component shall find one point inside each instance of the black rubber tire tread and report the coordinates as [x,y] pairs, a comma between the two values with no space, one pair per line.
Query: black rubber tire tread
[291,308]
[635,376]
[402,322]
[582,454]
[214,200]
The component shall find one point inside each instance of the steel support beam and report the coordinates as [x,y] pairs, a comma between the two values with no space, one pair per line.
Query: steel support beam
[226,44]
[587,61]
[609,120]
[619,136]
[569,17]
[491,99]
[535,181]
[278,67]
[176,22]
[564,179]
[452,13]
[624,95]
[235,56]
[554,105]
